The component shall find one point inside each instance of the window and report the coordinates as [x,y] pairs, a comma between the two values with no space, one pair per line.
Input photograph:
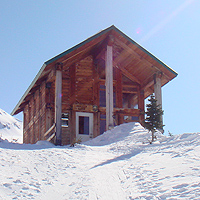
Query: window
[130,100]
[130,118]
[65,119]
[102,123]
[84,125]
[102,96]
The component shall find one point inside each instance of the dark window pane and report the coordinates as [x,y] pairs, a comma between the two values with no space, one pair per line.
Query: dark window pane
[83,125]
[114,99]
[135,118]
[102,124]
[102,97]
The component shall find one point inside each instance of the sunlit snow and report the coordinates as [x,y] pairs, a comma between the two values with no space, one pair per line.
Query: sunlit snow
[10,128]
[120,164]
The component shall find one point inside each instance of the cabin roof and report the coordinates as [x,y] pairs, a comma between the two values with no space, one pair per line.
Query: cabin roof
[139,54]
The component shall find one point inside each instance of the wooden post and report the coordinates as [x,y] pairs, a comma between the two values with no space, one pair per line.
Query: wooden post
[158,91]
[109,88]
[157,88]
[58,102]
[141,105]
[119,88]
[48,106]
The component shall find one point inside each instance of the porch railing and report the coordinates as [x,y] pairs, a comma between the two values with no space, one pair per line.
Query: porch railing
[50,134]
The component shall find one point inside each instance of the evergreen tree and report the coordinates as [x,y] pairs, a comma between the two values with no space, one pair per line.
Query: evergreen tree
[153,119]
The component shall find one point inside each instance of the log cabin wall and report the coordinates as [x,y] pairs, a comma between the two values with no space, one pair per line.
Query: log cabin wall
[78,93]
[66,89]
[35,116]
[82,87]
[84,81]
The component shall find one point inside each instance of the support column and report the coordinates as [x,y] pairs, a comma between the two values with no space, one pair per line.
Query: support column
[157,90]
[141,105]
[48,107]
[58,102]
[109,88]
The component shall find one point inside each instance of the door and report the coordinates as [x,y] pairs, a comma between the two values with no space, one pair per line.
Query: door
[84,126]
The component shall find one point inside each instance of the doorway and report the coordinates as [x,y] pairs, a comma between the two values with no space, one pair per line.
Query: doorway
[84,126]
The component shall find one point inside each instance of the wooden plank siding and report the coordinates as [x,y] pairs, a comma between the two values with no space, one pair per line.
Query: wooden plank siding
[34,116]
[84,81]
[80,87]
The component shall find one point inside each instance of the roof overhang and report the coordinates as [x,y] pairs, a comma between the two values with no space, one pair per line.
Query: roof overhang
[132,59]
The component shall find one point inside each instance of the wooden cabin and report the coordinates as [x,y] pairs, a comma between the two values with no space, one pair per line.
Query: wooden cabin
[90,88]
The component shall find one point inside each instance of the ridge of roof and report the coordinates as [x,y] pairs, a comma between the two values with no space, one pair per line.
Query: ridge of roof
[80,44]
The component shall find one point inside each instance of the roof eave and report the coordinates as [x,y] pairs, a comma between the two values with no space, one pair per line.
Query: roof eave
[147,52]
[28,90]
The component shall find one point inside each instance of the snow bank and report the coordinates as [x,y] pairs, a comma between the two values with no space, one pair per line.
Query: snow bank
[10,128]
[131,132]
[45,143]
[119,164]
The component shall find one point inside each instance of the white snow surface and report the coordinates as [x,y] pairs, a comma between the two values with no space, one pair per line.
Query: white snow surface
[10,128]
[120,164]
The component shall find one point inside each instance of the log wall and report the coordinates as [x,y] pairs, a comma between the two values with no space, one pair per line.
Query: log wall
[35,116]
[80,92]
[84,81]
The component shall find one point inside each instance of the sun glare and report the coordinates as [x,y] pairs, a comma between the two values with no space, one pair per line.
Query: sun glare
[168,19]
[138,30]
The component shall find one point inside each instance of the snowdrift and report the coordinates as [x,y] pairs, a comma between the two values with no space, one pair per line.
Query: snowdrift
[119,164]
[130,132]
[10,128]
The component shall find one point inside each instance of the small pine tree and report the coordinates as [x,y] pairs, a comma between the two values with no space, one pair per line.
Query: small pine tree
[153,119]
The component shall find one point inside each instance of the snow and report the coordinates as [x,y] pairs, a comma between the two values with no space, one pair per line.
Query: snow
[10,128]
[120,164]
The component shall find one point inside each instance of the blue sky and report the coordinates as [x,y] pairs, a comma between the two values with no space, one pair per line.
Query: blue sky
[32,32]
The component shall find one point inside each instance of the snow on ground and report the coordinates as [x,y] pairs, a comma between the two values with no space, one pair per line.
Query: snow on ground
[120,164]
[10,128]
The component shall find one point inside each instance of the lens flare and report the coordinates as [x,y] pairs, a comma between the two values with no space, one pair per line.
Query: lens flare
[169,18]
[138,30]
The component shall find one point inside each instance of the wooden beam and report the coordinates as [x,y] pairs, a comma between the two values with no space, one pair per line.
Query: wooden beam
[109,88]
[128,74]
[52,127]
[148,85]
[51,137]
[125,111]
[141,105]
[95,86]
[58,102]
[157,88]
[125,72]
[131,51]
[158,91]
[119,88]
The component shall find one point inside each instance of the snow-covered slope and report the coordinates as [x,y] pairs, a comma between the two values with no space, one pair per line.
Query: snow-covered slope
[120,164]
[10,128]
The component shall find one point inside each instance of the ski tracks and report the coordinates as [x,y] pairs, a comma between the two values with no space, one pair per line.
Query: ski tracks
[101,173]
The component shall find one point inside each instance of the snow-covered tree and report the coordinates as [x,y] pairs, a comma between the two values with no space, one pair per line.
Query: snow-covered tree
[153,119]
